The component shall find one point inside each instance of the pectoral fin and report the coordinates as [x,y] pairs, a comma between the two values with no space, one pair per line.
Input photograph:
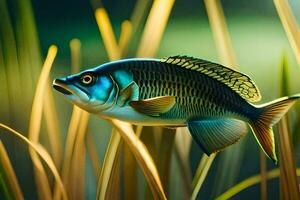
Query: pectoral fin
[214,135]
[126,93]
[154,106]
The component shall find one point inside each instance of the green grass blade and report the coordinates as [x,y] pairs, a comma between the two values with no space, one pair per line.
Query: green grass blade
[255,179]
[288,179]
[201,173]
[9,182]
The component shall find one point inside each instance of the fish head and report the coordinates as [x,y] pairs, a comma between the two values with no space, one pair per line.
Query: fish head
[90,90]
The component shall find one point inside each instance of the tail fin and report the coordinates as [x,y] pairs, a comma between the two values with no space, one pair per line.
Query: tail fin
[271,113]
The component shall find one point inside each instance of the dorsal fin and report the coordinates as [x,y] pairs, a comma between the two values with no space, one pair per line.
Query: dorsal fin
[237,81]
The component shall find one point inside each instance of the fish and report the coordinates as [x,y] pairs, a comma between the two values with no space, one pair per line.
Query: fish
[214,102]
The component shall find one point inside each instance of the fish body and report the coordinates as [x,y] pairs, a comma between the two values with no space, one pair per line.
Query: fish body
[213,101]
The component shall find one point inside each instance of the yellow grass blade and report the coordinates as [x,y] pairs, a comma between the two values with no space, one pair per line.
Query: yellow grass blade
[139,13]
[126,32]
[221,35]
[75,47]
[36,113]
[143,157]
[249,182]
[201,173]
[69,146]
[263,174]
[288,181]
[77,168]
[35,124]
[107,34]
[43,154]
[92,151]
[130,174]
[287,160]
[290,26]
[183,142]
[108,163]
[154,28]
[53,130]
[10,174]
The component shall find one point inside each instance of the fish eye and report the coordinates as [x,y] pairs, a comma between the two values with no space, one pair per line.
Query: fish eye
[87,79]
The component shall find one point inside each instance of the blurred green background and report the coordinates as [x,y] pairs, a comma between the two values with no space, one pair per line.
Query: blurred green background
[258,39]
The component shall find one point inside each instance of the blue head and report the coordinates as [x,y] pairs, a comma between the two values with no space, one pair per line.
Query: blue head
[91,90]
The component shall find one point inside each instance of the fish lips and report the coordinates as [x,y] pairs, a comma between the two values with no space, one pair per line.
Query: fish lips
[69,89]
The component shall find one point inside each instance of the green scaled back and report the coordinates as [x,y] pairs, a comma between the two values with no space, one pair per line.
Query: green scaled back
[237,81]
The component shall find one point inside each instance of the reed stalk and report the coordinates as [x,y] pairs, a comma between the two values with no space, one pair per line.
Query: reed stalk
[43,154]
[9,176]
[35,124]
[290,26]
[255,179]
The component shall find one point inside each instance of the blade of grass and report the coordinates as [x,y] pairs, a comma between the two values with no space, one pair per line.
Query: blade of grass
[154,28]
[201,173]
[69,146]
[221,35]
[36,113]
[107,34]
[130,174]
[113,190]
[53,131]
[255,179]
[137,18]
[3,187]
[8,171]
[77,170]
[290,26]
[92,151]
[126,32]
[75,47]
[139,13]
[182,148]
[9,51]
[5,108]
[108,163]
[287,157]
[43,154]
[165,154]
[130,170]
[35,125]
[30,39]
[29,52]
[143,157]
[263,174]
[288,178]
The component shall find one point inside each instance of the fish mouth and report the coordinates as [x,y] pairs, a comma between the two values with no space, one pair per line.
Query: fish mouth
[73,92]
[60,86]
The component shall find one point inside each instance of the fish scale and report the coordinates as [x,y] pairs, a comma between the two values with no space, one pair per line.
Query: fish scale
[189,88]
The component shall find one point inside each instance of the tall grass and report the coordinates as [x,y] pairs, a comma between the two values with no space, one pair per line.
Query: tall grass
[138,162]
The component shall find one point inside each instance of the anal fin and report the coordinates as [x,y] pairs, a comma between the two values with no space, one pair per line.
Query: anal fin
[213,135]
